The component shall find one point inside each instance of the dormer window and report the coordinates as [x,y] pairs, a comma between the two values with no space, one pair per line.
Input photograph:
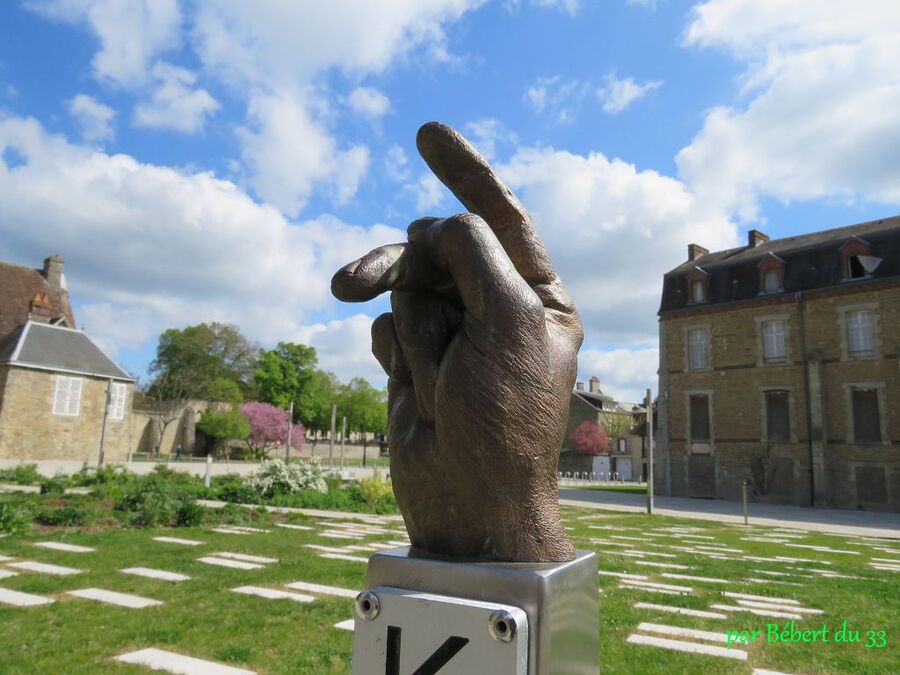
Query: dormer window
[857,261]
[698,291]
[771,274]
[698,286]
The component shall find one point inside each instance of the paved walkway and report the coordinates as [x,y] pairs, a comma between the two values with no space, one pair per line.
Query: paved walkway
[863,523]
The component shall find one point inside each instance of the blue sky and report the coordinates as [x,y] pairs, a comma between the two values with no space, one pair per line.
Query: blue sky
[218,160]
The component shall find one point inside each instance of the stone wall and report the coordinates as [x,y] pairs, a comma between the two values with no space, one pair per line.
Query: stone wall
[845,473]
[30,430]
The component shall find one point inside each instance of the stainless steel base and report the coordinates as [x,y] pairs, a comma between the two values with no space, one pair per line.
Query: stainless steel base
[560,600]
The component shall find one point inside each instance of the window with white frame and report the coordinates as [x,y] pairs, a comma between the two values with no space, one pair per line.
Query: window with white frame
[698,349]
[774,341]
[772,281]
[67,397]
[117,401]
[860,333]
[698,291]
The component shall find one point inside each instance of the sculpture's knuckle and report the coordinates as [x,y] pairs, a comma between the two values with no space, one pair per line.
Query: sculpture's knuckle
[461,229]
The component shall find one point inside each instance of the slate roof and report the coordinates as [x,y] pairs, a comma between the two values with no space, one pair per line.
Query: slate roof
[599,400]
[811,261]
[18,286]
[45,347]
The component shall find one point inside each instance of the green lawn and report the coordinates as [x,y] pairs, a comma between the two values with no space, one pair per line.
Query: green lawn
[610,487]
[203,619]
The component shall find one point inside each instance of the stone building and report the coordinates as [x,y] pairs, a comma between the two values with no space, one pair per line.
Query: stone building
[626,456]
[55,382]
[779,365]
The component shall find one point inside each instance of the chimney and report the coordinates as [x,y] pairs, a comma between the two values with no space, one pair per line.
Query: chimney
[595,385]
[53,271]
[579,386]
[40,309]
[695,251]
[755,238]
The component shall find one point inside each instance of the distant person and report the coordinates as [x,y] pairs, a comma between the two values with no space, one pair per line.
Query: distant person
[178,452]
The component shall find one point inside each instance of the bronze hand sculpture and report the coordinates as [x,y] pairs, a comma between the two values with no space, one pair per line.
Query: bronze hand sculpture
[480,351]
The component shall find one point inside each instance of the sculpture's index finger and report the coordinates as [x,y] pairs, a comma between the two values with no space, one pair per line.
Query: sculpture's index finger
[467,174]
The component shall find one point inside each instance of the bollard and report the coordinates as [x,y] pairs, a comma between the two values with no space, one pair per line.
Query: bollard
[207,479]
[744,497]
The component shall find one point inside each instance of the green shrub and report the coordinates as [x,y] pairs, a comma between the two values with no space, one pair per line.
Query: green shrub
[275,477]
[189,514]
[23,474]
[231,488]
[90,476]
[67,516]
[12,519]
[149,504]
[375,490]
[55,486]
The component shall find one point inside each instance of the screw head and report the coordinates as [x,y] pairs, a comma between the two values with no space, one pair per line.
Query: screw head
[502,626]
[367,605]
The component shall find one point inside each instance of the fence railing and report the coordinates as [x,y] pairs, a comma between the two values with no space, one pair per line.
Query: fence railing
[576,478]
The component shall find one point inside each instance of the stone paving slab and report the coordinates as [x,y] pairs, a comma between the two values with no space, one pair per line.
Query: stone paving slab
[114,598]
[678,631]
[690,647]
[273,594]
[681,610]
[771,613]
[177,540]
[342,556]
[289,526]
[348,624]
[43,568]
[68,548]
[228,530]
[19,599]
[155,574]
[323,590]
[245,558]
[6,574]
[172,662]
[233,564]
[5,558]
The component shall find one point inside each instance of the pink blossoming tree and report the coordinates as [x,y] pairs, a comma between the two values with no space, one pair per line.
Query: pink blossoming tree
[589,438]
[269,429]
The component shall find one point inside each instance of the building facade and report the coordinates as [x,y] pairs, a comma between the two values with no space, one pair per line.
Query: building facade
[61,397]
[779,366]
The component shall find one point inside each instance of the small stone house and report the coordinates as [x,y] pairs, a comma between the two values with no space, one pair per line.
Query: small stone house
[626,453]
[61,397]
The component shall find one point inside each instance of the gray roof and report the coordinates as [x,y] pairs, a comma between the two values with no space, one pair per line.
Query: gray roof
[47,347]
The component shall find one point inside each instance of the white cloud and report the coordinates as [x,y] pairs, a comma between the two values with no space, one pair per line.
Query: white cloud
[570,7]
[613,231]
[618,94]
[625,374]
[369,102]
[396,163]
[95,118]
[289,153]
[131,33]
[820,121]
[175,104]
[646,4]
[344,347]
[556,98]
[153,248]
[486,133]
[269,41]
[429,192]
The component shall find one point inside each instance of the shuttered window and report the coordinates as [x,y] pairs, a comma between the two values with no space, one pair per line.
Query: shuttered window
[772,281]
[117,401]
[861,333]
[67,396]
[774,347]
[698,349]
[866,419]
[700,417]
[778,419]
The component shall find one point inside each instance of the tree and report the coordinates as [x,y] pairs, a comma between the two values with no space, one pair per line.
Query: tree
[364,406]
[224,390]
[269,429]
[284,375]
[616,424]
[204,353]
[224,425]
[589,438]
[322,393]
[164,401]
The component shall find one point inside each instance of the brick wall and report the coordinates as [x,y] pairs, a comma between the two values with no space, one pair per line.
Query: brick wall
[848,474]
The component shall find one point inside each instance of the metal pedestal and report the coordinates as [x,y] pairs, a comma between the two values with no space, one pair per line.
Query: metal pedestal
[423,614]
